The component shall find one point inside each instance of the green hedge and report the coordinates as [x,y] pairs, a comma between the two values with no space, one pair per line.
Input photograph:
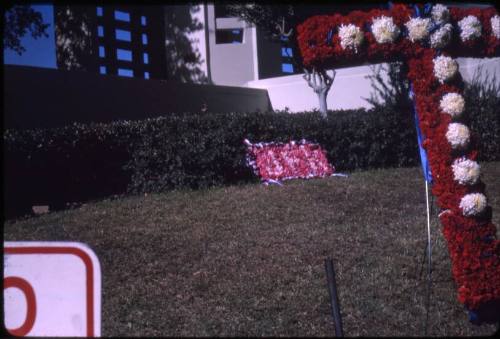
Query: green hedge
[70,164]
[482,104]
[206,150]
[84,162]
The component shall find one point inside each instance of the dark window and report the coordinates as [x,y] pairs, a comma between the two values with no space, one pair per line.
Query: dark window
[229,36]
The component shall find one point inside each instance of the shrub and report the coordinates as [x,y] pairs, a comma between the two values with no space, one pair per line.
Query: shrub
[82,162]
[68,164]
[482,104]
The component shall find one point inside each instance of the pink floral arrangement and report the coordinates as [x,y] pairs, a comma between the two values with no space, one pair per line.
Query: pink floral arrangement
[274,161]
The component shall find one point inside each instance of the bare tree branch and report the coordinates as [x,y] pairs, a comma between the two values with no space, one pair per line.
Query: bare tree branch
[281,29]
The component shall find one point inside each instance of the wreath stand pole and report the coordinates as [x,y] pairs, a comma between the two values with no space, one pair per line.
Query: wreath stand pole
[424,254]
[429,259]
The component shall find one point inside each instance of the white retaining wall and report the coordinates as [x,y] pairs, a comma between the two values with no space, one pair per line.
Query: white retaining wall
[349,88]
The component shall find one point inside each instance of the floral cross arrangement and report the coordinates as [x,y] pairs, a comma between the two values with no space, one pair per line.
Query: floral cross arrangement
[429,38]
[274,162]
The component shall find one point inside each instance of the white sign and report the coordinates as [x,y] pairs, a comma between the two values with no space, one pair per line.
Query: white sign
[51,289]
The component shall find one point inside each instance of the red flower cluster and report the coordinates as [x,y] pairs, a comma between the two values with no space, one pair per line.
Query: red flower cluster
[319,51]
[472,242]
[277,161]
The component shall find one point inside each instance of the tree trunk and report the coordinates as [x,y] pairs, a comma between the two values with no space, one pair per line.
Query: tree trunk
[320,82]
[322,103]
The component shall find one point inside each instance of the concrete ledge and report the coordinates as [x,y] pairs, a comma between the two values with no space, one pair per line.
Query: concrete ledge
[40,97]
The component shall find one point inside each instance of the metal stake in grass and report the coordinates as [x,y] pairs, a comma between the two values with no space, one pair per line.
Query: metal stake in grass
[334,300]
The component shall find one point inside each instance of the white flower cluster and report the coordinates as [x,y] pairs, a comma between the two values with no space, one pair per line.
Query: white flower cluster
[445,68]
[473,204]
[384,30]
[440,14]
[458,135]
[470,28]
[418,28]
[441,37]
[452,103]
[465,171]
[495,26]
[351,36]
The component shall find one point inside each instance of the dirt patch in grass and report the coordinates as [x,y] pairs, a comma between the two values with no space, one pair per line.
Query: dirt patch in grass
[249,260]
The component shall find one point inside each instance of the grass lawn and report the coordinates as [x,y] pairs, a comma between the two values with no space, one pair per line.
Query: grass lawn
[249,260]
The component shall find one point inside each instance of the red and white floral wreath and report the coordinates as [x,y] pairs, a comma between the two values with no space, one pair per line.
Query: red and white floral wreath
[428,38]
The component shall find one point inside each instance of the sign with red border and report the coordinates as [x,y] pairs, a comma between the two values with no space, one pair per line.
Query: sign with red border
[51,289]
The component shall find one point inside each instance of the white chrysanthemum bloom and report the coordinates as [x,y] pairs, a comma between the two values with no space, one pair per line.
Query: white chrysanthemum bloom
[441,37]
[384,30]
[470,28]
[418,28]
[495,26]
[440,14]
[466,171]
[452,103]
[351,36]
[458,135]
[445,68]
[473,204]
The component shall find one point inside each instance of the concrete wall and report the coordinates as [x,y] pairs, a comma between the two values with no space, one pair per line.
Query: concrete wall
[40,97]
[349,88]
[231,64]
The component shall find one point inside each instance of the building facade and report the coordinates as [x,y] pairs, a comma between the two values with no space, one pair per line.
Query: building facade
[202,43]
[188,43]
[117,40]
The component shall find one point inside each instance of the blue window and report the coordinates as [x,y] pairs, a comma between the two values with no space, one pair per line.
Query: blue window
[237,36]
[287,68]
[102,69]
[286,52]
[123,35]
[122,16]
[143,20]
[144,39]
[284,38]
[102,54]
[125,72]
[145,58]
[99,11]
[123,54]
[146,75]
[100,31]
